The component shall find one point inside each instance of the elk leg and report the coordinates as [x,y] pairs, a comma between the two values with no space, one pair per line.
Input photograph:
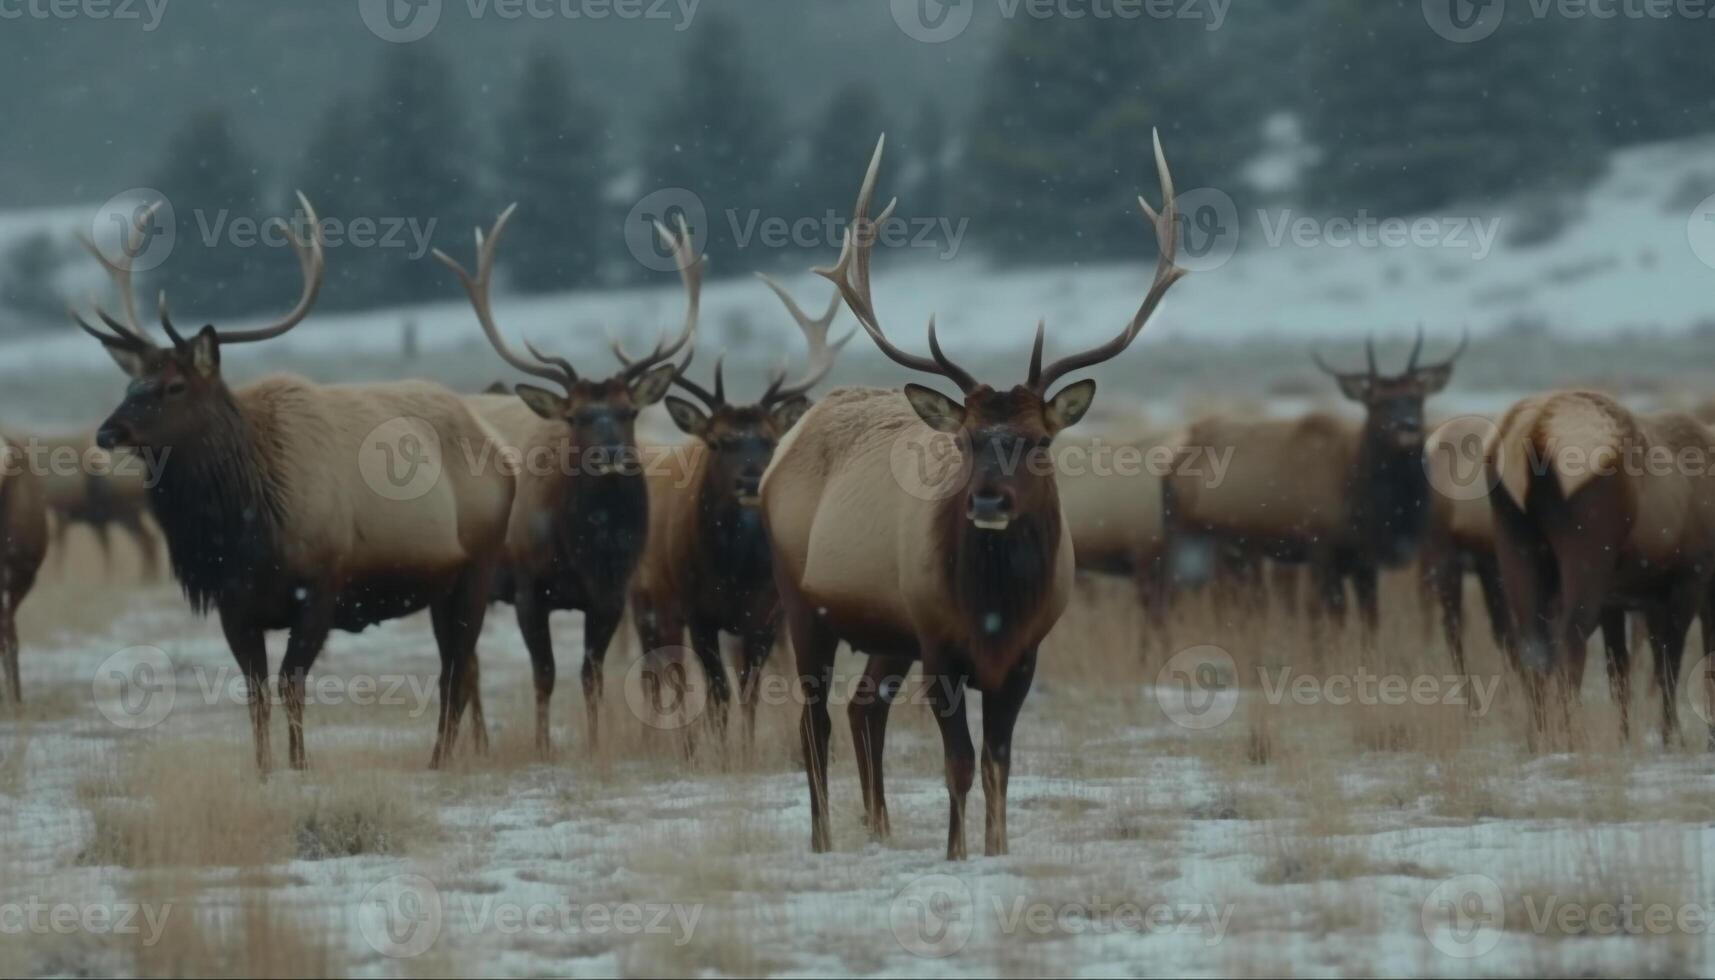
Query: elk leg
[813,647]
[947,700]
[600,623]
[1668,623]
[9,652]
[757,648]
[531,607]
[457,621]
[104,538]
[302,648]
[250,648]
[1444,583]
[1494,602]
[1000,713]
[1364,587]
[148,546]
[867,712]
[706,644]
[1614,641]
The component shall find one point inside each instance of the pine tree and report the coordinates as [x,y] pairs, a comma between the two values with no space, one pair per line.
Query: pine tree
[716,134]
[554,161]
[421,169]
[218,267]
[1407,121]
[1060,146]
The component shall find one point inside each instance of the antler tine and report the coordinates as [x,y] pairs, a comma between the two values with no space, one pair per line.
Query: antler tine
[476,287]
[691,276]
[1325,366]
[1166,226]
[120,273]
[851,275]
[1370,356]
[822,353]
[551,360]
[1464,339]
[312,263]
[1416,349]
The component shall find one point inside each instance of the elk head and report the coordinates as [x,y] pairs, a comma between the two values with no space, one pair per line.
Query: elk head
[1004,432]
[601,413]
[741,438]
[1394,404]
[174,389]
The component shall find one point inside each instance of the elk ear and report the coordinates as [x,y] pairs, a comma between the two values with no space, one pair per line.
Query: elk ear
[688,417]
[1356,387]
[1434,379]
[787,413]
[647,390]
[543,402]
[205,353]
[134,363]
[1066,408]
[937,410]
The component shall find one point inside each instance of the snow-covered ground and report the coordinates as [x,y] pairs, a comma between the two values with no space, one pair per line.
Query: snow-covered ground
[1323,840]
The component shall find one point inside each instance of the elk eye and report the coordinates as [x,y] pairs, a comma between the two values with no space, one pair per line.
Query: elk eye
[176,388]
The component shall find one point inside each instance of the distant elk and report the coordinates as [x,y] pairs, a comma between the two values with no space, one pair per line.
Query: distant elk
[707,564]
[966,566]
[272,513]
[581,516]
[99,500]
[23,542]
[1347,499]
[1460,539]
[1599,511]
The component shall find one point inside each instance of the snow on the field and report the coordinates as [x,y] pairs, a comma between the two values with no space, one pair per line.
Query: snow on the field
[1625,259]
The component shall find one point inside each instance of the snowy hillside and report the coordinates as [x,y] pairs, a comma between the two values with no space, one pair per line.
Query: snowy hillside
[1627,258]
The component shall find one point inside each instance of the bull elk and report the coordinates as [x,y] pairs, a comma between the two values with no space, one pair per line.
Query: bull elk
[1596,514]
[23,542]
[966,570]
[1347,499]
[272,518]
[577,527]
[1460,538]
[706,565]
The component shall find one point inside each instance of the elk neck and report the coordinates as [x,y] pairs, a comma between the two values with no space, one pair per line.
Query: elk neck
[1389,498]
[731,540]
[999,581]
[220,508]
[604,520]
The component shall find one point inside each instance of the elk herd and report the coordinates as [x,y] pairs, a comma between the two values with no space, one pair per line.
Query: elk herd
[788,515]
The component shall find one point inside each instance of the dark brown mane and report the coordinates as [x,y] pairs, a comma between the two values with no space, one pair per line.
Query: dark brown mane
[1389,500]
[999,579]
[220,509]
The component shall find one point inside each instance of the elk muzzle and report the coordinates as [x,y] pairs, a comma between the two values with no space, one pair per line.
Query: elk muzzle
[747,488]
[991,509]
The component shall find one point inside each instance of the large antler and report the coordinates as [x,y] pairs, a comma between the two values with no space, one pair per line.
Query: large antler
[851,275]
[312,262]
[822,353]
[1167,273]
[129,335]
[691,275]
[557,370]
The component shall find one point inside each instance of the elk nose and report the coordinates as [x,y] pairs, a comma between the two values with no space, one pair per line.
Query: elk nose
[111,435]
[748,487]
[991,510]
